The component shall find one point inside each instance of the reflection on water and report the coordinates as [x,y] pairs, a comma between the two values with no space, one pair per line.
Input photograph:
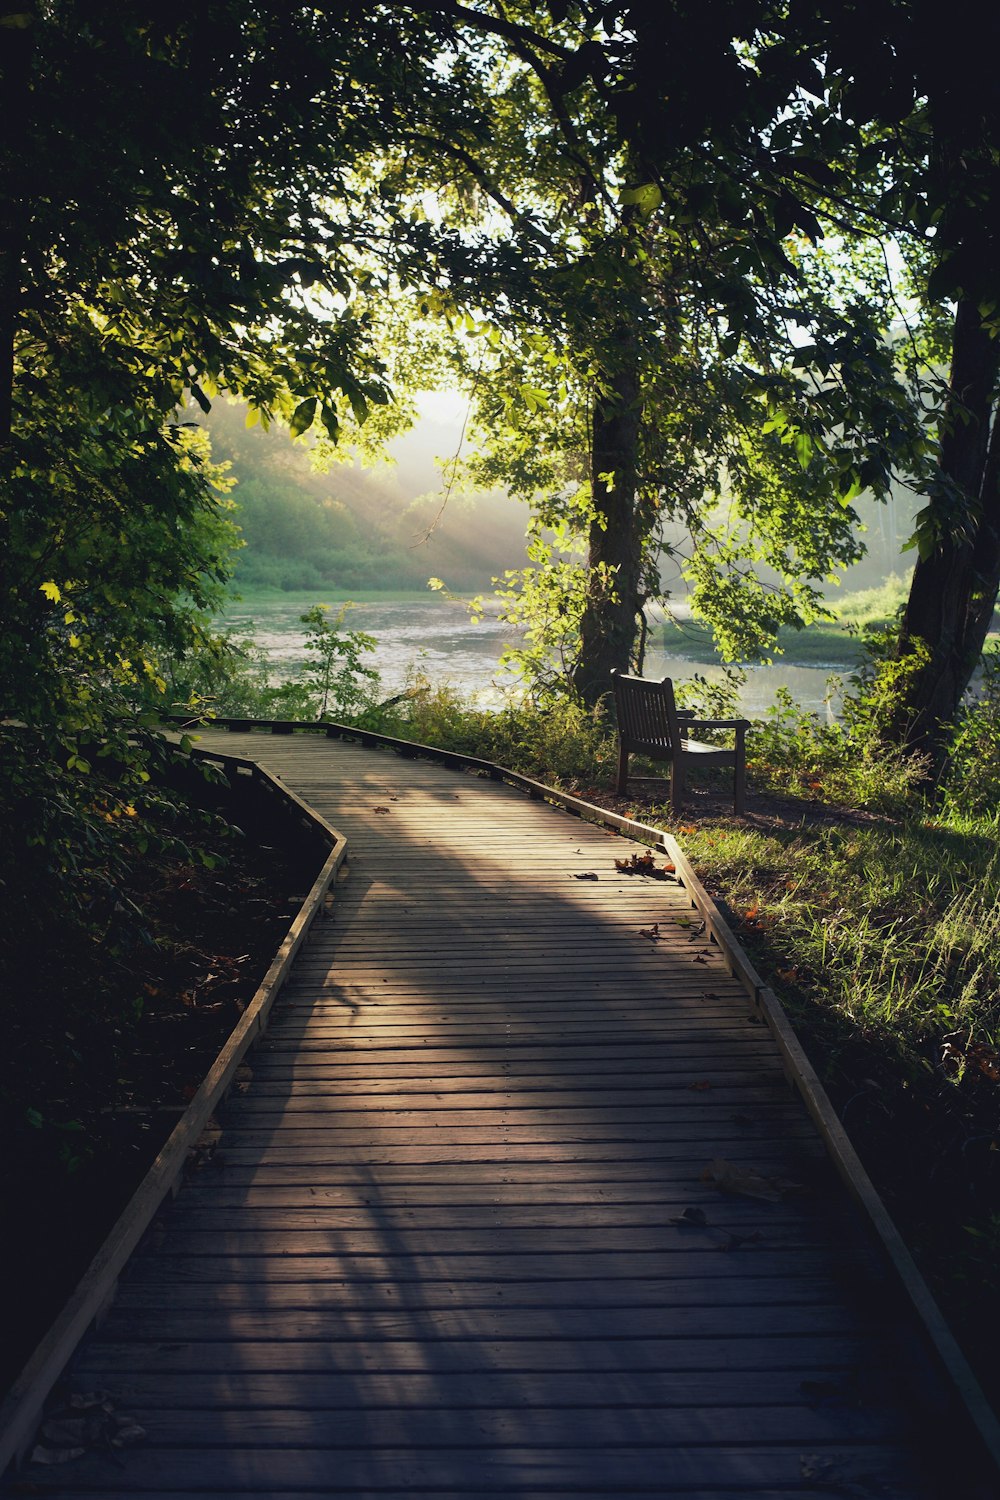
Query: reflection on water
[436,638]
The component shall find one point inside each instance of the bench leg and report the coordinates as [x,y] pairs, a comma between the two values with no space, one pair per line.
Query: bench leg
[740,774]
[622,769]
[676,783]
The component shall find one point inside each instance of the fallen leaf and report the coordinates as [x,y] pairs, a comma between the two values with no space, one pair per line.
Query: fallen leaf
[380,809]
[644,864]
[700,1086]
[653,933]
[814,1467]
[695,1217]
[737,1241]
[587,875]
[728,1177]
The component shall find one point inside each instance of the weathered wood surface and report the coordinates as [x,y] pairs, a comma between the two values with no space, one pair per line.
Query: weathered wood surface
[433,1250]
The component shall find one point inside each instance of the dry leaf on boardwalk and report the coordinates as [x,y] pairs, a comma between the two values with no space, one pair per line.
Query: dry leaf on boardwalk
[693,1217]
[644,864]
[728,1177]
[87,1423]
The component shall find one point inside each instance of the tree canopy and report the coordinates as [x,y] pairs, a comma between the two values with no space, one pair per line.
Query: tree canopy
[677,236]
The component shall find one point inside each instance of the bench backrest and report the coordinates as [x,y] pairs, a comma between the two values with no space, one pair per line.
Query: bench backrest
[647,713]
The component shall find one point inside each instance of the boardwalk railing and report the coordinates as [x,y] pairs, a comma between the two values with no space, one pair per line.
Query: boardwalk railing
[22,1408]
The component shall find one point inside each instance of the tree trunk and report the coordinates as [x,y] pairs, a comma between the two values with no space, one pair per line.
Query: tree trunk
[15,67]
[954,588]
[614,600]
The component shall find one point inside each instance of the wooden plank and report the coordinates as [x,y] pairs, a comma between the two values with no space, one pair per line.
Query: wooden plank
[578,1195]
[328,1149]
[517,1427]
[542,1086]
[884,1471]
[136,1391]
[457,1100]
[665,1056]
[280,1244]
[804,1491]
[807,1352]
[620,1326]
[555,1181]
[693,1259]
[344,1295]
[613,1112]
[452,1219]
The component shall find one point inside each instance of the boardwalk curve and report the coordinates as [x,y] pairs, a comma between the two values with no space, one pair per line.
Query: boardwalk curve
[458,1235]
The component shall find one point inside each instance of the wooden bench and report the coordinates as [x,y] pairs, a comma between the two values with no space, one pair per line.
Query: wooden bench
[650,723]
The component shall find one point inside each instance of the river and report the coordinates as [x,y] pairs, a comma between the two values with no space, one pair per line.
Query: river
[436,638]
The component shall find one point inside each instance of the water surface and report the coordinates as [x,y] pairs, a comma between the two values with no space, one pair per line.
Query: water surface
[435,638]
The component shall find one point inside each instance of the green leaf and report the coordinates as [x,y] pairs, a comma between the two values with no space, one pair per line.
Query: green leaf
[533,397]
[303,416]
[51,591]
[646,198]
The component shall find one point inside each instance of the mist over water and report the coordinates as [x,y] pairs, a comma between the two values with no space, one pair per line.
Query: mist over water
[436,639]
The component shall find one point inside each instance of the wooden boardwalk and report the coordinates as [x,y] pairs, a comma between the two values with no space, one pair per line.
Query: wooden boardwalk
[455,1237]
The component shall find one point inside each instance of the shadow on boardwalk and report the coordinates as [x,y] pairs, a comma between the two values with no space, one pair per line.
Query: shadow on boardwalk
[455,1236]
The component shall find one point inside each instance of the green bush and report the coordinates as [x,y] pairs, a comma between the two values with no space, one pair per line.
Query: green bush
[971,787]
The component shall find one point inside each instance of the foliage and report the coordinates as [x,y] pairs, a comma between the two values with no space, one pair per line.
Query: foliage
[681,349]
[560,742]
[971,787]
[229,675]
[870,608]
[842,760]
[71,831]
[336,674]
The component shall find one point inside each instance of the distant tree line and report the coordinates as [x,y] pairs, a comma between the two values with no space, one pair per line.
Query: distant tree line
[347,528]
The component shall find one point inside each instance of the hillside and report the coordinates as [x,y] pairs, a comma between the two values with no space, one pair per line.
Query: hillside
[354,528]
